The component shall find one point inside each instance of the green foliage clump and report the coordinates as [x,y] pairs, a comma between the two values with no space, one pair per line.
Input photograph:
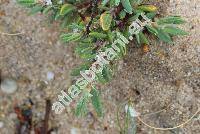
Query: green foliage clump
[93,24]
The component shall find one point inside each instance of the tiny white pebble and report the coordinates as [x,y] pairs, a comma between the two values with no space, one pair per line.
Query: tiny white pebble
[46,82]
[189,73]
[50,76]
[12,116]
[1,124]
[74,131]
[53,132]
[8,86]
[38,96]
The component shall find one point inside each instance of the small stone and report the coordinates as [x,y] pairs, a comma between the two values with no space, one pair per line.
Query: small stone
[8,86]
[12,116]
[32,132]
[189,73]
[53,132]
[74,131]
[50,76]
[1,124]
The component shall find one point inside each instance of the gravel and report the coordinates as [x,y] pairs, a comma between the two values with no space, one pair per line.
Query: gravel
[8,86]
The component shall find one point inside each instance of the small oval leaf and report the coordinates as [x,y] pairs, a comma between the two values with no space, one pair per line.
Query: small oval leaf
[66,8]
[147,8]
[127,6]
[98,35]
[105,21]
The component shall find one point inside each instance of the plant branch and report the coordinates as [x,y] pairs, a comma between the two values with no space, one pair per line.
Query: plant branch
[94,7]
[47,114]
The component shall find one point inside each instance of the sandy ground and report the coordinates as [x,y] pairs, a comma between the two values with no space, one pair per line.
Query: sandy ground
[169,75]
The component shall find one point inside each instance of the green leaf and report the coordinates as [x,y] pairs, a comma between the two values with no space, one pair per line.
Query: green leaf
[152,30]
[105,21]
[84,45]
[65,22]
[51,17]
[171,20]
[123,50]
[164,36]
[81,108]
[107,73]
[105,76]
[127,6]
[88,56]
[151,15]
[143,39]
[76,71]
[112,3]
[174,31]
[136,2]
[27,3]
[87,40]
[66,8]
[147,8]
[71,37]
[122,14]
[58,16]
[76,26]
[68,20]
[117,2]
[98,35]
[36,9]
[138,39]
[84,52]
[104,2]
[110,36]
[100,78]
[47,9]
[85,49]
[133,18]
[96,102]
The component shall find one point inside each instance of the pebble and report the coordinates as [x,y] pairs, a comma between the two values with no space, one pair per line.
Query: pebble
[12,116]
[1,124]
[74,131]
[50,76]
[53,132]
[8,86]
